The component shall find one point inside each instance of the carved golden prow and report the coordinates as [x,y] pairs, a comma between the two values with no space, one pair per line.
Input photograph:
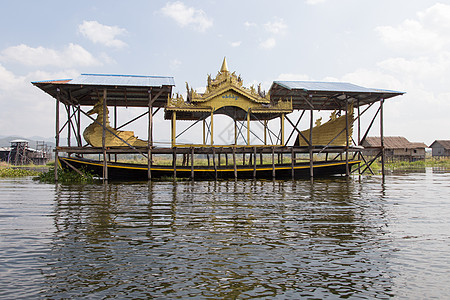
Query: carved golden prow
[331,133]
[93,134]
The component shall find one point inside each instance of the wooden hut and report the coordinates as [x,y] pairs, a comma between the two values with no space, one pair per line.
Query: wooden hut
[396,148]
[440,148]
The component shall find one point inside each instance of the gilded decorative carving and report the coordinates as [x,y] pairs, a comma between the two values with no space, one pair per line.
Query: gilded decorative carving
[227,89]
[93,134]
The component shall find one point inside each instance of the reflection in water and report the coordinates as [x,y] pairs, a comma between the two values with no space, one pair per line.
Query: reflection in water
[355,238]
[220,240]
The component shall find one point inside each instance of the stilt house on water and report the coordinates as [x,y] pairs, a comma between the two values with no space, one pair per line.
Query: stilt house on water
[281,149]
[440,148]
[396,148]
[21,154]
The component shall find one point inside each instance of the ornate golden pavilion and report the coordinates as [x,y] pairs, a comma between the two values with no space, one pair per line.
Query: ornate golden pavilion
[224,95]
[227,95]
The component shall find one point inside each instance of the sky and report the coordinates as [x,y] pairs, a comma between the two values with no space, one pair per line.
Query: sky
[401,45]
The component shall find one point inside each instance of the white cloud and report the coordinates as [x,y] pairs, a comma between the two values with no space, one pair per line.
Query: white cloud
[249,24]
[277,26]
[102,34]
[26,110]
[186,16]
[292,76]
[174,64]
[428,33]
[71,55]
[314,2]
[235,44]
[268,44]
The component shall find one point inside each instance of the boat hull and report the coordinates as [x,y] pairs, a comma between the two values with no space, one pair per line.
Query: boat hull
[124,171]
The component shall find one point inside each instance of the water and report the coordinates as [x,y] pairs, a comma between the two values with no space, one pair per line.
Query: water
[334,238]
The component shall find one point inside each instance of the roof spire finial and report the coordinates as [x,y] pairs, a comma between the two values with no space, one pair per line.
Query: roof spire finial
[224,65]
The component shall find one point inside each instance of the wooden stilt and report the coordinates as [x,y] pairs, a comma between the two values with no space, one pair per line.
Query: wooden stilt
[192,163]
[311,162]
[105,164]
[273,162]
[57,134]
[292,162]
[214,162]
[174,163]
[254,162]
[347,170]
[150,132]
[234,162]
[382,139]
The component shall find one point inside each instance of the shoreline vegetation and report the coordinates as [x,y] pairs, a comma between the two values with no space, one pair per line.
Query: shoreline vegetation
[46,173]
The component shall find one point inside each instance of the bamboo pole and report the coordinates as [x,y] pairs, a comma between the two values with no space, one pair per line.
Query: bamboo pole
[214,162]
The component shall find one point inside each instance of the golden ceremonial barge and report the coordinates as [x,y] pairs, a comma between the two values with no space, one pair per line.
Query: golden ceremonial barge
[266,139]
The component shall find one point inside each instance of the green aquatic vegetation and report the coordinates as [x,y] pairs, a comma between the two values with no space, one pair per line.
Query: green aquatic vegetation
[66,176]
[17,172]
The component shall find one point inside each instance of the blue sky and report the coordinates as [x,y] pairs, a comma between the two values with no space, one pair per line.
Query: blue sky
[402,45]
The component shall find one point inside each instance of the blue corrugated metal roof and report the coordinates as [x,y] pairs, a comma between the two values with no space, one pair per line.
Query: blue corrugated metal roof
[329,87]
[122,80]
[119,80]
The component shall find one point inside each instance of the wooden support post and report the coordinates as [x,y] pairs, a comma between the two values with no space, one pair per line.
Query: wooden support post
[273,162]
[174,128]
[150,133]
[218,159]
[311,162]
[243,158]
[292,162]
[105,163]
[234,162]
[248,127]
[226,159]
[69,127]
[265,132]
[347,170]
[261,158]
[174,162]
[235,132]
[359,138]
[57,133]
[192,163]
[212,127]
[382,138]
[204,132]
[214,162]
[254,162]
[282,129]
[79,126]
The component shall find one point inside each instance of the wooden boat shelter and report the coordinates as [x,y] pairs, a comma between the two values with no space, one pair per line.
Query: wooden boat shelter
[225,94]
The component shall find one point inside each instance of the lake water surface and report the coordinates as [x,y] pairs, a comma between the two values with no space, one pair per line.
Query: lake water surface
[331,238]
